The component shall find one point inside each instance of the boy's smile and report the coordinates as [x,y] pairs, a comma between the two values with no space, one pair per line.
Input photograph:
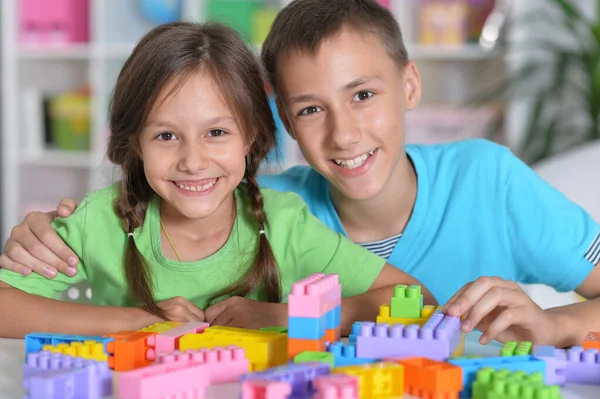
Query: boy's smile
[345,105]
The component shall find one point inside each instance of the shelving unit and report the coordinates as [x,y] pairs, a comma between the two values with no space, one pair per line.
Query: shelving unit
[39,177]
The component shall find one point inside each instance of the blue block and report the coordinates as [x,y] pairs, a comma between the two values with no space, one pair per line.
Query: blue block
[306,327]
[330,320]
[528,364]
[345,355]
[34,342]
[355,332]
[300,376]
[338,315]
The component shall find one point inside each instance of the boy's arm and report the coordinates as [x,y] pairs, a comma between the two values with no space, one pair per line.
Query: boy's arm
[38,314]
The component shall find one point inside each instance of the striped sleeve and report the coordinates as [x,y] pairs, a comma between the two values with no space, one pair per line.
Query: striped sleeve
[593,252]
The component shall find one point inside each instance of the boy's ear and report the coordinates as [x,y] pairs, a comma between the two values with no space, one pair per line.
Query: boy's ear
[284,118]
[412,82]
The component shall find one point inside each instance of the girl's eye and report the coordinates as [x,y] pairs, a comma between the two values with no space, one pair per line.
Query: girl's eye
[363,95]
[216,133]
[310,111]
[165,136]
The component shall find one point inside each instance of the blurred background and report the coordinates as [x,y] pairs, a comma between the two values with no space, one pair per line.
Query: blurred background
[525,73]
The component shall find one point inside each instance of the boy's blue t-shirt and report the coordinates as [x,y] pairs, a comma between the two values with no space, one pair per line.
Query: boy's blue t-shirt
[479,211]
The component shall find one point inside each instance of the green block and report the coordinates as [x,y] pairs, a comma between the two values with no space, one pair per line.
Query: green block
[236,14]
[407,302]
[322,357]
[503,384]
[511,348]
[275,329]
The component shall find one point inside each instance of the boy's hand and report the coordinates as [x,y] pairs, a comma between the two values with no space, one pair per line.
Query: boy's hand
[247,313]
[501,310]
[34,246]
[180,309]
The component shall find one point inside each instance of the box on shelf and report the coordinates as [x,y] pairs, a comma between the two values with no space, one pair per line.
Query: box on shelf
[53,22]
[70,121]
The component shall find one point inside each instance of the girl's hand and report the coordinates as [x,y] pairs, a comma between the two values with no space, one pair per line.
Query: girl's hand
[181,310]
[247,313]
[501,310]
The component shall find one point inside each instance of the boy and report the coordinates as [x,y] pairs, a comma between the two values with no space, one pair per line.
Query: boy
[446,214]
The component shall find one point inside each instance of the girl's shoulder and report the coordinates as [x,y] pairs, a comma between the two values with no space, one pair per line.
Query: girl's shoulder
[102,199]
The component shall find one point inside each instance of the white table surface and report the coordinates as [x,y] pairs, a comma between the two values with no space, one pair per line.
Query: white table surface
[12,357]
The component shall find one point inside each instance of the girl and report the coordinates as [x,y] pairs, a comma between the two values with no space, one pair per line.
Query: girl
[190,120]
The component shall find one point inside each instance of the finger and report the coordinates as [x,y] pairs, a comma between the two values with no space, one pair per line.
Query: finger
[8,264]
[196,312]
[66,207]
[214,311]
[18,254]
[36,249]
[474,292]
[45,234]
[491,300]
[226,318]
[448,308]
[509,317]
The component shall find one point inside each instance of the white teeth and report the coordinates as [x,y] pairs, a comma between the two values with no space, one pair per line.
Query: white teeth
[354,163]
[196,188]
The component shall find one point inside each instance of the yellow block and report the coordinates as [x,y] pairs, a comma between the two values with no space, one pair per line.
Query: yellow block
[88,350]
[377,380]
[264,349]
[384,316]
[161,327]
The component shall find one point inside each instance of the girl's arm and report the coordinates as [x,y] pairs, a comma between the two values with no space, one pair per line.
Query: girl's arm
[366,306]
[22,313]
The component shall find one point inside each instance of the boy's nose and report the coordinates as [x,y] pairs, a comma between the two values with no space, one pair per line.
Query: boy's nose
[344,132]
[194,158]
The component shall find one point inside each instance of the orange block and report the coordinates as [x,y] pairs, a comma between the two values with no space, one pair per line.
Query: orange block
[131,350]
[430,379]
[592,340]
[333,335]
[297,346]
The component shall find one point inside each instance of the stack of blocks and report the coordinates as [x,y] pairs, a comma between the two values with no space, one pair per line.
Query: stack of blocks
[504,384]
[574,365]
[314,313]
[406,307]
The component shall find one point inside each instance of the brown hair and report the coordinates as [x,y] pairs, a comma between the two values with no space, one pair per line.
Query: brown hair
[177,51]
[304,24]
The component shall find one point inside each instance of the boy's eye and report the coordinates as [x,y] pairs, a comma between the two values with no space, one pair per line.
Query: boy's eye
[216,133]
[310,111]
[363,95]
[165,136]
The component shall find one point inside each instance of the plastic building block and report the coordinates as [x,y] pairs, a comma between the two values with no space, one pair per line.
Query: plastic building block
[88,350]
[261,389]
[168,341]
[429,379]
[528,364]
[511,348]
[503,384]
[333,335]
[333,318]
[583,367]
[345,355]
[275,329]
[385,316]
[223,364]
[437,339]
[264,349]
[377,380]
[407,302]
[337,386]
[34,342]
[355,331]
[161,327]
[167,380]
[297,346]
[306,327]
[53,375]
[592,340]
[131,350]
[556,364]
[308,356]
[300,376]
[314,296]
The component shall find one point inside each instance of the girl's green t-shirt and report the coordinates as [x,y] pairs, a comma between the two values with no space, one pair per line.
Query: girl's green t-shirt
[302,245]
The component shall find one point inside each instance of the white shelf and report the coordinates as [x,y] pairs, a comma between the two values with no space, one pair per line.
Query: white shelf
[74,52]
[116,51]
[467,52]
[56,158]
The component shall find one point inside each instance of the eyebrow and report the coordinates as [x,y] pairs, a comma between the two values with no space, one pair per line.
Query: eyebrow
[213,121]
[305,98]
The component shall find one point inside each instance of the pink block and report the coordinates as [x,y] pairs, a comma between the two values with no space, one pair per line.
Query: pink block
[385,3]
[261,389]
[163,381]
[337,386]
[223,365]
[168,341]
[31,21]
[314,296]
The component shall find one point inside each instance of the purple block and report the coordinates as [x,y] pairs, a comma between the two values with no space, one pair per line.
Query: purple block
[300,376]
[437,339]
[583,367]
[556,364]
[57,374]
